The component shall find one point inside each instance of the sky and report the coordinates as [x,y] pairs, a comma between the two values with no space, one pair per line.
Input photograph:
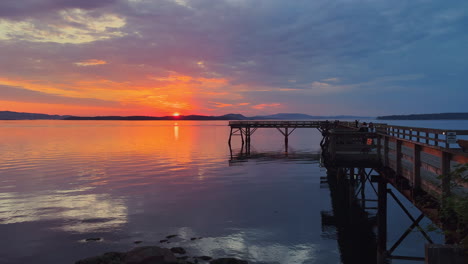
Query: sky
[253,57]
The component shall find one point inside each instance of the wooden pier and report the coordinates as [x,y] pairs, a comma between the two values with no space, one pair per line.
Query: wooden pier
[418,162]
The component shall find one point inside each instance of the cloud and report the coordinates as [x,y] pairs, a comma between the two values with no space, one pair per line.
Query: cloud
[91,62]
[19,94]
[73,26]
[27,8]
[263,106]
[229,51]
[331,80]
[221,105]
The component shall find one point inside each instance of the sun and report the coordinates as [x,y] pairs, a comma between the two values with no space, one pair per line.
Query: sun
[176,114]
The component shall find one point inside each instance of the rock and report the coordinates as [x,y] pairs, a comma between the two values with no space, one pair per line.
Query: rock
[156,255]
[93,239]
[170,236]
[178,250]
[162,241]
[107,258]
[193,238]
[204,258]
[228,261]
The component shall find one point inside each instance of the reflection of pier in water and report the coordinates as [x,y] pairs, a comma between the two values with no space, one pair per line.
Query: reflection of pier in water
[357,212]
[238,156]
[406,159]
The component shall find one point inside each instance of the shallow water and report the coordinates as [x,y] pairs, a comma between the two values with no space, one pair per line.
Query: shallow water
[125,181]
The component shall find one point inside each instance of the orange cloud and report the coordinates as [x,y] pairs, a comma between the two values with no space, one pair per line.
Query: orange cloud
[262,106]
[92,62]
[173,93]
[221,105]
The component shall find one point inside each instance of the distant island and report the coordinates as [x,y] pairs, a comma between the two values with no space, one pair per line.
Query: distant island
[9,115]
[439,116]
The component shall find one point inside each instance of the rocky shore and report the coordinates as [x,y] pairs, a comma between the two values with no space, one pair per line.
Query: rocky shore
[155,255]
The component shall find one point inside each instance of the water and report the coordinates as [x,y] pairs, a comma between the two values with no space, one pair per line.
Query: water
[125,181]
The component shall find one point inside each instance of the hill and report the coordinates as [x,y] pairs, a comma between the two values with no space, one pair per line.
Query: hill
[182,117]
[297,116]
[9,115]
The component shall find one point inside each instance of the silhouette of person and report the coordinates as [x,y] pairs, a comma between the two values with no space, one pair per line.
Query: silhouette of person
[364,127]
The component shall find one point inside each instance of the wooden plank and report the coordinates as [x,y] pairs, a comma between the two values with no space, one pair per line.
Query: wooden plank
[431,168]
[407,158]
[408,144]
[460,158]
[417,166]
[445,168]
[432,151]
[398,158]
[386,163]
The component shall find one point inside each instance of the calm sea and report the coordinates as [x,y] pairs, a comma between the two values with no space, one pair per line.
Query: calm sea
[62,182]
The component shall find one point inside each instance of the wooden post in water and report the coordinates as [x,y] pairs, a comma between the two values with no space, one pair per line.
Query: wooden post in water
[242,135]
[230,137]
[382,221]
[362,177]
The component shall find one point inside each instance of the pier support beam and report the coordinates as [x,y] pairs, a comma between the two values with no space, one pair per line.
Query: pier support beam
[382,222]
[286,134]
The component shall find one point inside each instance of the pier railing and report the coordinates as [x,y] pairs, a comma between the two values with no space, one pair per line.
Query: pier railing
[276,123]
[429,136]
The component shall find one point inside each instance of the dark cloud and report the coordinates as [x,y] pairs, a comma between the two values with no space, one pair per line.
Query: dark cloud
[271,42]
[15,9]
